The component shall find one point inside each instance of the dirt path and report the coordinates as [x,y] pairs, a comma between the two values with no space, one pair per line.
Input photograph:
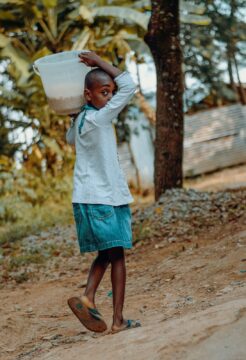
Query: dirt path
[190,297]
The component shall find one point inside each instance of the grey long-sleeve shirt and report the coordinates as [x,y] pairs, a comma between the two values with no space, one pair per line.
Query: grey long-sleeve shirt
[98,177]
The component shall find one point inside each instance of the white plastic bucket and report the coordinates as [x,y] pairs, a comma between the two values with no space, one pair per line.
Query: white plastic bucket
[63,78]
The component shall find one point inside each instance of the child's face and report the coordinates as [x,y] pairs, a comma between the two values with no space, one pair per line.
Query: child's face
[101,92]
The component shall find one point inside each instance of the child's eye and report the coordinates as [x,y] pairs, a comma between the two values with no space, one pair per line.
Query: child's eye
[105,92]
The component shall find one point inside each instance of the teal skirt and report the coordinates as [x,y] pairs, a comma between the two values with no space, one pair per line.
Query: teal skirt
[101,227]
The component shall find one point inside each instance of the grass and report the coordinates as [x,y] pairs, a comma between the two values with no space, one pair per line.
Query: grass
[20,261]
[36,219]
[141,231]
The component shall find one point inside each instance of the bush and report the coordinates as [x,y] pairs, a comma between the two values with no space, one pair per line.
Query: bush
[30,202]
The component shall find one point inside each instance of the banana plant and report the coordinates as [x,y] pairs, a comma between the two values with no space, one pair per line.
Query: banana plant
[35,28]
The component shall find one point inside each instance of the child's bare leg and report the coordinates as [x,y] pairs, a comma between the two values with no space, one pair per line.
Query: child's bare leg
[118,278]
[96,273]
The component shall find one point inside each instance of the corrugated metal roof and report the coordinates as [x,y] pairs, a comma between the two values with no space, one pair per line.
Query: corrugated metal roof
[213,139]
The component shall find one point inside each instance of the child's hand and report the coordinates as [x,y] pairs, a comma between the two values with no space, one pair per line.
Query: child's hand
[90,58]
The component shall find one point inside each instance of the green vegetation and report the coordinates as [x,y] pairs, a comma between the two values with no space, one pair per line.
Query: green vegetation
[30,203]
[141,231]
[38,195]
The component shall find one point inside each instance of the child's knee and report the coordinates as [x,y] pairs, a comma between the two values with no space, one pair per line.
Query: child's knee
[103,256]
[115,254]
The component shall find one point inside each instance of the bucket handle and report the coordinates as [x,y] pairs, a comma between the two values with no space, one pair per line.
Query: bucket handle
[35,69]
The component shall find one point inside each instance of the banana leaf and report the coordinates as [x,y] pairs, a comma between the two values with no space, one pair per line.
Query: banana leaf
[192,8]
[85,13]
[82,39]
[195,19]
[4,41]
[6,15]
[20,61]
[10,95]
[41,53]
[49,3]
[14,2]
[104,41]
[123,13]
[38,14]
[52,144]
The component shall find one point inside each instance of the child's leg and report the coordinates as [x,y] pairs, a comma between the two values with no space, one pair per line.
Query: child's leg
[118,277]
[96,273]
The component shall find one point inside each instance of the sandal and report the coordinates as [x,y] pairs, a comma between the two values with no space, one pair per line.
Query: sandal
[130,324]
[88,316]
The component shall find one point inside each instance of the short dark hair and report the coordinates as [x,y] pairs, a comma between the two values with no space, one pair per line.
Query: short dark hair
[94,76]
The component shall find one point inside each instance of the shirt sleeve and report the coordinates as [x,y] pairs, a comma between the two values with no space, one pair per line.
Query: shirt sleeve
[126,90]
[70,135]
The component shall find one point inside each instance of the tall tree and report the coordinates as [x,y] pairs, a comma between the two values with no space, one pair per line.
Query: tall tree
[230,29]
[163,40]
[205,49]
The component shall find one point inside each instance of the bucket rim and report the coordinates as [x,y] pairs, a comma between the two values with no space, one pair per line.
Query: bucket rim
[40,60]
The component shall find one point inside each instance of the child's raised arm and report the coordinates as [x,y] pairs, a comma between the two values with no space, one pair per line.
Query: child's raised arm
[92,59]
[125,90]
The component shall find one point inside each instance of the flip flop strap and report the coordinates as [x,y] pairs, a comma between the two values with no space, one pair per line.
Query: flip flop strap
[94,311]
[133,323]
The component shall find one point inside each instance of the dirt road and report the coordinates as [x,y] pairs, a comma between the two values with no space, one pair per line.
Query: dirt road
[190,297]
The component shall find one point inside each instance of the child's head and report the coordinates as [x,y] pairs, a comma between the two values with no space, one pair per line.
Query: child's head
[99,88]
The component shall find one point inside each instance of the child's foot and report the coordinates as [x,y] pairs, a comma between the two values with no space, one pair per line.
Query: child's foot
[126,325]
[87,302]
[87,315]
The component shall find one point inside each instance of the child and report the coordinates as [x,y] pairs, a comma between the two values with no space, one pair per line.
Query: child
[101,194]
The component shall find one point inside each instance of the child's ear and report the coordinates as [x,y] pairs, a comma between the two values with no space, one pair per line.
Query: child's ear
[87,95]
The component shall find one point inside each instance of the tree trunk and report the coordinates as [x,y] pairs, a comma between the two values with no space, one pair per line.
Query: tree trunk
[241,88]
[230,49]
[230,71]
[138,179]
[163,40]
